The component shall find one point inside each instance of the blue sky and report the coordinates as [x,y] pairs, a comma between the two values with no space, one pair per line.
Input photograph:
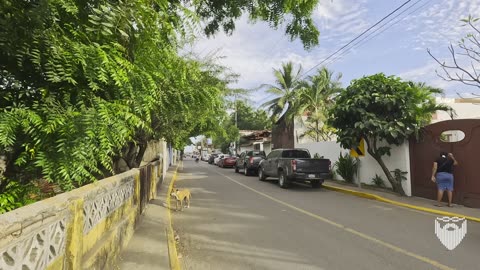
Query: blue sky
[255,49]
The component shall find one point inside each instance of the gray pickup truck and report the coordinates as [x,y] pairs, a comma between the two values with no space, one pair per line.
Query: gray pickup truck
[248,161]
[294,165]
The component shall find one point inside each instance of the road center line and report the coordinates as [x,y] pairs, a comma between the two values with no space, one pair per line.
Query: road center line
[342,227]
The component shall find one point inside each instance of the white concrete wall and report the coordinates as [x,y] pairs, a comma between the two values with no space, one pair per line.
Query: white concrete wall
[330,150]
[165,155]
[267,148]
[400,158]
[463,110]
[300,129]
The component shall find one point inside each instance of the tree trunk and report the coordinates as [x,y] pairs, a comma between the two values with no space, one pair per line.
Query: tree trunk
[372,150]
[130,155]
[397,186]
[141,152]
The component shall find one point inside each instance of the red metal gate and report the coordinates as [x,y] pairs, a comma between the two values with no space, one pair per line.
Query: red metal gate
[467,177]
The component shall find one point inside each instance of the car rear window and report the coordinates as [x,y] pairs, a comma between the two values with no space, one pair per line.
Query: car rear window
[257,153]
[295,154]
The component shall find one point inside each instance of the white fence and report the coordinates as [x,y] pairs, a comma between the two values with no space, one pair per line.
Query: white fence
[399,159]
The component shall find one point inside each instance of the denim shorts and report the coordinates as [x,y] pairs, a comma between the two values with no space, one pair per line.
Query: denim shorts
[445,181]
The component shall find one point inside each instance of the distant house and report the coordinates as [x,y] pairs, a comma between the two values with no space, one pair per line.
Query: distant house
[464,108]
[256,140]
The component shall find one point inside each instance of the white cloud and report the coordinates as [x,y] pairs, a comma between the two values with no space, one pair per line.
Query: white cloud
[427,73]
[438,23]
[254,50]
[340,20]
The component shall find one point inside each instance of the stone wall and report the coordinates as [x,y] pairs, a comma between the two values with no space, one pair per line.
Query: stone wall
[82,229]
[155,149]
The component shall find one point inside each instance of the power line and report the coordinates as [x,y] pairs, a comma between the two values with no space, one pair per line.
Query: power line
[344,46]
[360,42]
[363,40]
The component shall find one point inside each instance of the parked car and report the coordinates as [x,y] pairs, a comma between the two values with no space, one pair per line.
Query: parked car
[211,159]
[248,162]
[215,161]
[227,161]
[220,157]
[294,165]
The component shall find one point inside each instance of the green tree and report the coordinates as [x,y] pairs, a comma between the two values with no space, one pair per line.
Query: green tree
[315,98]
[227,134]
[384,111]
[297,14]
[250,119]
[85,83]
[286,83]
[81,82]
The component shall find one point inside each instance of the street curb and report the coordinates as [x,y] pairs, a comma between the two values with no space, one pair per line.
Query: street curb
[172,248]
[385,200]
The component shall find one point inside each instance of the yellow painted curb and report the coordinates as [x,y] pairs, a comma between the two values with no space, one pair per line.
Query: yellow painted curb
[172,248]
[385,200]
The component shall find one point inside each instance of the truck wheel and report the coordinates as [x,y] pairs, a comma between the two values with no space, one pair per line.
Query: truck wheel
[245,170]
[261,174]
[315,183]
[236,168]
[282,180]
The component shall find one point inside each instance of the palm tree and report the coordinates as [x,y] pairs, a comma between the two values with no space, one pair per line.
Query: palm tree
[287,82]
[426,111]
[314,98]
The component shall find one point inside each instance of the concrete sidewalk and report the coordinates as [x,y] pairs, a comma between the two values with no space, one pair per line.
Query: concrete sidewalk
[413,202]
[148,248]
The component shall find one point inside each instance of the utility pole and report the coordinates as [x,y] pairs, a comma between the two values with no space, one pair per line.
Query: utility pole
[236,122]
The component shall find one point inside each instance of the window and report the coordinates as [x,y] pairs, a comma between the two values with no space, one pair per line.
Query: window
[452,136]
[256,153]
[273,154]
[295,154]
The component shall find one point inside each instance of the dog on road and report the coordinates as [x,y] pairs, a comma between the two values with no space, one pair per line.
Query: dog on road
[181,196]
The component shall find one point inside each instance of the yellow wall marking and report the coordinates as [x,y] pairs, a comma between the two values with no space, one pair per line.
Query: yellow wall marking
[340,226]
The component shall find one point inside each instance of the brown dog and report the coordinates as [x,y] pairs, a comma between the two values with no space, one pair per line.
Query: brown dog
[180,197]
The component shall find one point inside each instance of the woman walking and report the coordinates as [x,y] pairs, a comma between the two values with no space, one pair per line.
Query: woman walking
[442,174]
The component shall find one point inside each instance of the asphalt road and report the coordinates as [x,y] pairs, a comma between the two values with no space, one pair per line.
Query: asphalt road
[239,222]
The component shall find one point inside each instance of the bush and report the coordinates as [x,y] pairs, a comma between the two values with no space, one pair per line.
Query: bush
[378,181]
[15,195]
[347,167]
[333,173]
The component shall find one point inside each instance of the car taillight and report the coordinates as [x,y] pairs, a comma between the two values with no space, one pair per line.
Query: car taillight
[294,165]
[250,160]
